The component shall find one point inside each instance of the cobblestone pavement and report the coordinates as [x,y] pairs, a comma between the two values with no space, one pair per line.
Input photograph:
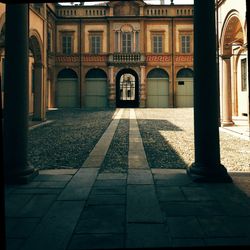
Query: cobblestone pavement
[167,135]
[68,138]
[142,207]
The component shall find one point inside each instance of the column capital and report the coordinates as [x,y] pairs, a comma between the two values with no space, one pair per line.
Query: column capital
[226,57]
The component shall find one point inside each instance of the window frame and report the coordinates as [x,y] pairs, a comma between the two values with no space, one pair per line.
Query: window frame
[243,67]
[96,34]
[126,41]
[186,49]
[157,49]
[68,50]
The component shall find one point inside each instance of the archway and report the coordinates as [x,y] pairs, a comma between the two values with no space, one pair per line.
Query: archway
[36,77]
[184,88]
[67,89]
[157,88]
[232,44]
[96,89]
[127,88]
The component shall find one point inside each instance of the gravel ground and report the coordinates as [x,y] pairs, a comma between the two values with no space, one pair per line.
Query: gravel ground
[171,132]
[66,142]
[116,160]
[167,135]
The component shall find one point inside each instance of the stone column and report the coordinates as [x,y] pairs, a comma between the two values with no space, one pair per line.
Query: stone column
[226,93]
[143,88]
[111,87]
[16,96]
[207,166]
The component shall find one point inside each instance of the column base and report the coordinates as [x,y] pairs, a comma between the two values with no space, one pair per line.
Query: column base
[142,104]
[112,103]
[23,177]
[215,174]
[227,123]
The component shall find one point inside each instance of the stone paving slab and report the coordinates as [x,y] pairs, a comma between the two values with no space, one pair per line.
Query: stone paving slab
[80,185]
[37,206]
[110,183]
[184,227]
[106,199]
[188,208]
[54,177]
[37,191]
[197,194]
[224,226]
[111,176]
[60,171]
[101,219]
[75,193]
[56,227]
[188,243]
[137,162]
[96,241]
[147,236]
[170,194]
[109,190]
[15,202]
[139,176]
[20,227]
[142,204]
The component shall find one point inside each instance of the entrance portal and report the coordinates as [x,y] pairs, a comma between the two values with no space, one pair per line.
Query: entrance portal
[127,89]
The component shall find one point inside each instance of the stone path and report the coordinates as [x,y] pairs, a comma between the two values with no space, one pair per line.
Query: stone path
[85,209]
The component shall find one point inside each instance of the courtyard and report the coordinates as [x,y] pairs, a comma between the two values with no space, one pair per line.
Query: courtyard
[119,181]
[67,137]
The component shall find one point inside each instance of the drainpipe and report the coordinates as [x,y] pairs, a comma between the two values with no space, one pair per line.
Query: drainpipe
[80,87]
[173,82]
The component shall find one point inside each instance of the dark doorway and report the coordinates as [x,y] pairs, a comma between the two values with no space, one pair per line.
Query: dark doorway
[127,89]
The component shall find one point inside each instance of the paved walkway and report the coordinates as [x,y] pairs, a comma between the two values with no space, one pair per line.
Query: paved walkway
[145,208]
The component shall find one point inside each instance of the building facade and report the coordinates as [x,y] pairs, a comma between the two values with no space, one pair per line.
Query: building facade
[128,54]
[117,54]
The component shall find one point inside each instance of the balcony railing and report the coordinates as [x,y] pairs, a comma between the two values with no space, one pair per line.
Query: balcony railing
[126,58]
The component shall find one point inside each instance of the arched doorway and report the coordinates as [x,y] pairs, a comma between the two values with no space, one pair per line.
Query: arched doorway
[96,89]
[184,88]
[36,76]
[67,89]
[157,88]
[127,89]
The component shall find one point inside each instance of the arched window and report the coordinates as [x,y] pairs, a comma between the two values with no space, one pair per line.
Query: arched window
[187,73]
[158,73]
[67,73]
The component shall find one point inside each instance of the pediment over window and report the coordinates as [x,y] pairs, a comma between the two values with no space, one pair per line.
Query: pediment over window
[127,8]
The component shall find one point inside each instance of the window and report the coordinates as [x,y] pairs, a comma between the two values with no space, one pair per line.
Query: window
[157,43]
[185,44]
[126,42]
[244,74]
[95,43]
[67,44]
